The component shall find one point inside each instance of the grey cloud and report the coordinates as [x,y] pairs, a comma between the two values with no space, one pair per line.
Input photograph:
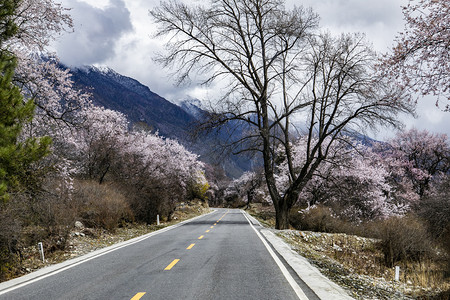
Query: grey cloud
[356,12]
[96,32]
[379,20]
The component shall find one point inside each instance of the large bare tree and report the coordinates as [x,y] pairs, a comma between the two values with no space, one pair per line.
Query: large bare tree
[278,71]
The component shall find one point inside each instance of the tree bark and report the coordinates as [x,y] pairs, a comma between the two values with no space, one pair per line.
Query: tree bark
[281,214]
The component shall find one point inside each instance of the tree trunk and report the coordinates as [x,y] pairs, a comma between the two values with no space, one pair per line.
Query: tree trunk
[281,215]
[249,198]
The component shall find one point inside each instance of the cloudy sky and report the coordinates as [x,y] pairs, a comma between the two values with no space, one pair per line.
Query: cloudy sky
[118,34]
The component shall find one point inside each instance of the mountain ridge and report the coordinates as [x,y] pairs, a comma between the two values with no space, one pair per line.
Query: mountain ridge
[127,95]
[148,110]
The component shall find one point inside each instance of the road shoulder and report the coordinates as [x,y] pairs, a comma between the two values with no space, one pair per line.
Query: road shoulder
[323,287]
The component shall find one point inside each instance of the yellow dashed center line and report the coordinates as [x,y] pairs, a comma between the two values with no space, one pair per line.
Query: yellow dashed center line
[207,230]
[200,237]
[190,246]
[171,264]
[215,224]
[223,216]
[138,296]
[211,227]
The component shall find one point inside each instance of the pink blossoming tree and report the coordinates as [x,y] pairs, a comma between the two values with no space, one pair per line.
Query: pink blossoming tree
[421,57]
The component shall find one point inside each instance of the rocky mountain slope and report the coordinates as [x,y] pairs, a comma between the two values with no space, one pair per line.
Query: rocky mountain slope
[148,110]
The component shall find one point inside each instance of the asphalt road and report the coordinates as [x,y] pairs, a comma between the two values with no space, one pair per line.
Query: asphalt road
[217,256]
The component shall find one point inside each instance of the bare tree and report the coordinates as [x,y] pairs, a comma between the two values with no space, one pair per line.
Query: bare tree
[278,72]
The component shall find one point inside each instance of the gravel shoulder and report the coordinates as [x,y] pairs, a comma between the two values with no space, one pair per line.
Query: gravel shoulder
[319,249]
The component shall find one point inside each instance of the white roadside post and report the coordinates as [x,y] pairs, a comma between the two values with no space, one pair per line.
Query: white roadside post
[41,251]
[397,273]
[157,219]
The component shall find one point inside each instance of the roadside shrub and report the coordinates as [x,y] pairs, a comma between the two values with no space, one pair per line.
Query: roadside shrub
[102,206]
[9,239]
[145,210]
[43,216]
[403,238]
[320,219]
[237,204]
[234,201]
[197,189]
[446,244]
[26,220]
[434,209]
[56,215]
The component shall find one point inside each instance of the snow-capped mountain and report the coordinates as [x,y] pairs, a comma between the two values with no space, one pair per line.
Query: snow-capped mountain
[193,107]
[135,100]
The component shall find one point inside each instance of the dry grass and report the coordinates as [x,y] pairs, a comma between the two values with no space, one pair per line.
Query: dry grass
[101,205]
[264,214]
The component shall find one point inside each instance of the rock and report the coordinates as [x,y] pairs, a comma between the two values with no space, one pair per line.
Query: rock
[336,247]
[88,232]
[79,225]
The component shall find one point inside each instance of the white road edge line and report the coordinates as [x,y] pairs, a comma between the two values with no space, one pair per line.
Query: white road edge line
[86,258]
[283,269]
